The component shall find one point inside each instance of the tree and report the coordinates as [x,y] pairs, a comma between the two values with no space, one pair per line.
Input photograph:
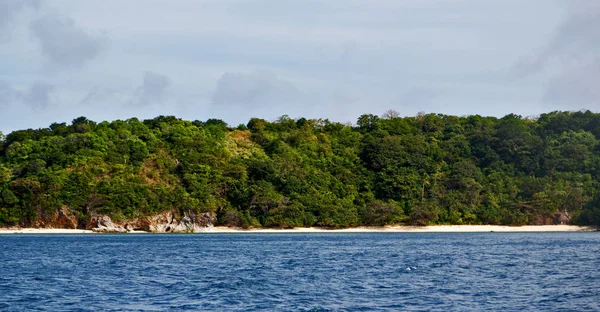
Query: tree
[426,169]
[390,114]
[368,122]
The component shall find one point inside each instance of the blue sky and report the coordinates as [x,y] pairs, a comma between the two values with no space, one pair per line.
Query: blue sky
[336,59]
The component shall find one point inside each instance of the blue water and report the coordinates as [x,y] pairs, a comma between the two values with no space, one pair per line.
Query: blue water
[306,272]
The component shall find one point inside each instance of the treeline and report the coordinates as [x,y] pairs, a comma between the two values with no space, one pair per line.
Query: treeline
[427,169]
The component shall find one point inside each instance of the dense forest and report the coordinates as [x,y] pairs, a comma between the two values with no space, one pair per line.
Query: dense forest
[426,169]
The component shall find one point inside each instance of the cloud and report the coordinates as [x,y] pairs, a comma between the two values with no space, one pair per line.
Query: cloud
[576,86]
[348,48]
[64,43]
[38,96]
[571,57]
[419,98]
[407,101]
[9,9]
[101,96]
[581,29]
[345,99]
[153,89]
[8,94]
[577,37]
[258,88]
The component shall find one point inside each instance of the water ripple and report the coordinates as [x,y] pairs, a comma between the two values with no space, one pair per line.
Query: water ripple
[301,272]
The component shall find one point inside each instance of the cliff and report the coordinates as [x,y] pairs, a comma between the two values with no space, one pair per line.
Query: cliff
[165,222]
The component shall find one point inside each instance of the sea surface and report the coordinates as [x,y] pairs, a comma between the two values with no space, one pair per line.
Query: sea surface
[301,272]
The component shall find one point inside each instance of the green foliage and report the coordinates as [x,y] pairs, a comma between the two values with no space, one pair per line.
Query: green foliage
[418,170]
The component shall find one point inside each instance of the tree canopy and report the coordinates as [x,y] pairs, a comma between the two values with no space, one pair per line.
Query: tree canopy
[426,169]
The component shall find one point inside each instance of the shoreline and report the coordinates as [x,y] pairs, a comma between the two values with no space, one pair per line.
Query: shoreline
[384,229]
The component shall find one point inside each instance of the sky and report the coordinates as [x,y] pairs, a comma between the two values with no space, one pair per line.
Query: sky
[336,59]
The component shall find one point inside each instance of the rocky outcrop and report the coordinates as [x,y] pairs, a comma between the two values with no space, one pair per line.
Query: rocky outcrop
[562,218]
[166,222]
[66,219]
[62,218]
[105,225]
[557,218]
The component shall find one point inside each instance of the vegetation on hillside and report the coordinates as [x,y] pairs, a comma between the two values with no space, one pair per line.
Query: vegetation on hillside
[427,169]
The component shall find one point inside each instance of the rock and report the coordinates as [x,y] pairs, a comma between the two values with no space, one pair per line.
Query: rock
[105,225]
[66,219]
[166,222]
[62,218]
[143,224]
[562,218]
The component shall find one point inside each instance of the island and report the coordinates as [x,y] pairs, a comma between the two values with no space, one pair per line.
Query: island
[384,173]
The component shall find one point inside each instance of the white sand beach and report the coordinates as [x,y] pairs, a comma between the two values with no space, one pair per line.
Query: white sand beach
[390,229]
[417,229]
[14,230]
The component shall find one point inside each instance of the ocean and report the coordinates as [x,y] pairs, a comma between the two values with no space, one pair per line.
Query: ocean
[301,272]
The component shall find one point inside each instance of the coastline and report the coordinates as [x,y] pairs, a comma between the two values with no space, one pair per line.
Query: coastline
[418,229]
[385,229]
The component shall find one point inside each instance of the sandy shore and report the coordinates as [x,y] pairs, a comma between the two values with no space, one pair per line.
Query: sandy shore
[418,229]
[42,231]
[390,229]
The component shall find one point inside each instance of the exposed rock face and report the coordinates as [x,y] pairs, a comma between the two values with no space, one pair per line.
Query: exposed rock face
[66,219]
[105,225]
[558,218]
[62,218]
[161,223]
[562,218]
